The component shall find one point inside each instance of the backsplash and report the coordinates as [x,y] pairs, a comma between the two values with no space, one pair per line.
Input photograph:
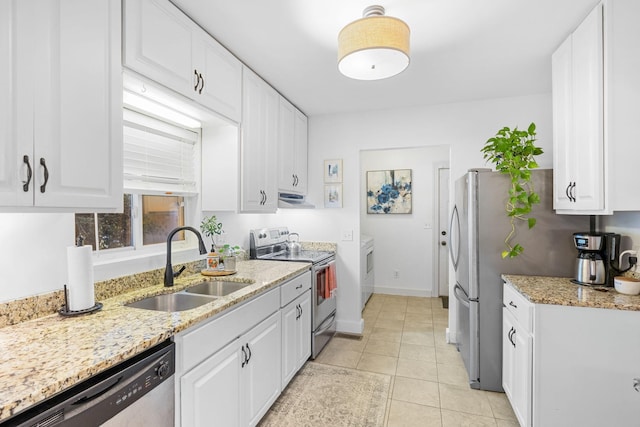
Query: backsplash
[33,307]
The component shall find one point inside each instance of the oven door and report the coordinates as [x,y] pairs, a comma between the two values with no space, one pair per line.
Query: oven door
[324,291]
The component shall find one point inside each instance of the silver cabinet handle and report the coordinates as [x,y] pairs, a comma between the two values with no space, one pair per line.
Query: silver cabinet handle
[43,187]
[636,384]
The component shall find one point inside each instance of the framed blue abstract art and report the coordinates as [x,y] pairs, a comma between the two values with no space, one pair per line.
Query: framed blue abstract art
[389,191]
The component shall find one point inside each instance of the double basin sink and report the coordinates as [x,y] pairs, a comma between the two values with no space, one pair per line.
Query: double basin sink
[192,297]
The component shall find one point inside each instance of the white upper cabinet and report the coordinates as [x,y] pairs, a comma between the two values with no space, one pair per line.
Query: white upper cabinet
[259,161]
[292,149]
[163,44]
[61,105]
[596,82]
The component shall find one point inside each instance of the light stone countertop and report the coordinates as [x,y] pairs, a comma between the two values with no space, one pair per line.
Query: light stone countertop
[560,291]
[42,357]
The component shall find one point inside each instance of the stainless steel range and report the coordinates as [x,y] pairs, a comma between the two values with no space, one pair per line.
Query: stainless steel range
[273,244]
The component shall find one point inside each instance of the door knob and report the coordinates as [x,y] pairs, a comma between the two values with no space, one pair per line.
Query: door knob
[444,233]
[443,243]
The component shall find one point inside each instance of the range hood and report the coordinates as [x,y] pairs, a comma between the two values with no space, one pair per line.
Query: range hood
[293,201]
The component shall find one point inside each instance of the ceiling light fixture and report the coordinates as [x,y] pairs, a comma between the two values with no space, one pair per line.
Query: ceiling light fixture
[373,47]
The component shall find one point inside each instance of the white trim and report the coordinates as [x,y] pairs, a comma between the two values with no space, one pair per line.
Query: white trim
[348,327]
[401,291]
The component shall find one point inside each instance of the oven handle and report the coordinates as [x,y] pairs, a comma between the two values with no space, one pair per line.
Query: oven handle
[324,266]
[322,328]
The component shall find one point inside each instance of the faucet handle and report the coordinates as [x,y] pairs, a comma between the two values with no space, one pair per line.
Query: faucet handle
[179,272]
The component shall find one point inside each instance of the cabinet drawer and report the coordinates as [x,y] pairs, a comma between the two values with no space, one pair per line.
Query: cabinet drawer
[205,340]
[294,287]
[519,306]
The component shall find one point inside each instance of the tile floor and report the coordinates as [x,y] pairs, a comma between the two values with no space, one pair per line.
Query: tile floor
[404,337]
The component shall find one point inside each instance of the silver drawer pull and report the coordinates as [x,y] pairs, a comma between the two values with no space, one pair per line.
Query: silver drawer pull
[512,304]
[636,384]
[299,287]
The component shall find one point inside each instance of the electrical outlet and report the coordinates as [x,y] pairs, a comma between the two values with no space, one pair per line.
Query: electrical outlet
[347,235]
[396,274]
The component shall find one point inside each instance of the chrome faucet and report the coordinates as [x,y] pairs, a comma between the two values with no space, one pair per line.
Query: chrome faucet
[168,272]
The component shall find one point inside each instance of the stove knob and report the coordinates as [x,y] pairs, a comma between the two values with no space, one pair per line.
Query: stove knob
[163,369]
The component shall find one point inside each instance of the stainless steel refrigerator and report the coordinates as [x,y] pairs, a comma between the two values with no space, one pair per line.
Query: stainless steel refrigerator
[479,225]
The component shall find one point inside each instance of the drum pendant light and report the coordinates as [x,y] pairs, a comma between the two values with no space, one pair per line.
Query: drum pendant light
[373,47]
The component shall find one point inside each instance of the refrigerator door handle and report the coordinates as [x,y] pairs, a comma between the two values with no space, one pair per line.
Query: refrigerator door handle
[455,257]
[461,295]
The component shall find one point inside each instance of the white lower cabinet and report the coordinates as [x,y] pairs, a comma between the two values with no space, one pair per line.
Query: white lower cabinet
[237,385]
[296,335]
[578,367]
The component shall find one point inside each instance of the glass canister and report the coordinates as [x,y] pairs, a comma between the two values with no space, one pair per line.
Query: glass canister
[213,261]
[230,262]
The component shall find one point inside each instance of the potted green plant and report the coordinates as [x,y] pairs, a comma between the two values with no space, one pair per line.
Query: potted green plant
[211,228]
[513,152]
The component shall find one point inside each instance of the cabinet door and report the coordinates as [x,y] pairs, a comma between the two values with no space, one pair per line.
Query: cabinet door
[261,374]
[78,108]
[563,139]
[301,141]
[259,150]
[289,341]
[210,392]
[286,147]
[304,329]
[16,102]
[588,104]
[508,355]
[158,43]
[221,85]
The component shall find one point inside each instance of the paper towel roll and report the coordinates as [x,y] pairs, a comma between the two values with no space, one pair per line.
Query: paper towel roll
[80,278]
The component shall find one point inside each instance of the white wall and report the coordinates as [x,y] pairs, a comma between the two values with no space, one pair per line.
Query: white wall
[464,127]
[404,241]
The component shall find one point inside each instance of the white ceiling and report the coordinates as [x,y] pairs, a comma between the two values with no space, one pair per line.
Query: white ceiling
[461,50]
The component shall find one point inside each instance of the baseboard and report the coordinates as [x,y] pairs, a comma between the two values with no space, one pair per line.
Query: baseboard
[350,327]
[402,291]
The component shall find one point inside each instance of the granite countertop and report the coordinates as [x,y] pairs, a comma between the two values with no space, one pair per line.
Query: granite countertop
[42,357]
[561,291]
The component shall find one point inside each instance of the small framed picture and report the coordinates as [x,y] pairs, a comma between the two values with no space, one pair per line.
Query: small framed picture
[333,196]
[333,170]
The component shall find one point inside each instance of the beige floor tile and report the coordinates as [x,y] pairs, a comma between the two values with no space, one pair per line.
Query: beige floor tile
[391,315]
[507,423]
[377,363]
[416,309]
[418,318]
[396,325]
[344,358]
[453,374]
[404,414]
[416,391]
[457,419]
[417,327]
[383,348]
[464,399]
[394,307]
[448,354]
[417,337]
[342,343]
[418,352]
[500,406]
[418,369]
[386,335]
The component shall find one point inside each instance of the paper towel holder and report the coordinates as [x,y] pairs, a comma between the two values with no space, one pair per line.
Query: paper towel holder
[67,313]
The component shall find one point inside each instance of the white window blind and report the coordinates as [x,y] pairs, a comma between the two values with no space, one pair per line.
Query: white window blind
[158,156]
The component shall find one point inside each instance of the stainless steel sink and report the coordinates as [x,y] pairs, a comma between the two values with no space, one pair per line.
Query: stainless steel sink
[171,302]
[216,288]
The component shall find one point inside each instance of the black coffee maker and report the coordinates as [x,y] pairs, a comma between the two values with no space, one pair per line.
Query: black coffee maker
[596,263]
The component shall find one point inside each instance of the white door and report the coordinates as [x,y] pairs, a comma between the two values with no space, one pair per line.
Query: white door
[304,329]
[289,344]
[78,108]
[211,390]
[443,229]
[261,377]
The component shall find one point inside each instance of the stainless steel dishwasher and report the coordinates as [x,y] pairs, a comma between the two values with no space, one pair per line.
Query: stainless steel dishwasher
[136,392]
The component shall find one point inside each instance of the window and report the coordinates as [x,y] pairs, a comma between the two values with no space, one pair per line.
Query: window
[160,185]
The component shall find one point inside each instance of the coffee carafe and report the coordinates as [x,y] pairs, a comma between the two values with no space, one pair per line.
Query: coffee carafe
[597,253]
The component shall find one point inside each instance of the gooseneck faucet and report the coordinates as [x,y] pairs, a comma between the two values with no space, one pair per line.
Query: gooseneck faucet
[168,272]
